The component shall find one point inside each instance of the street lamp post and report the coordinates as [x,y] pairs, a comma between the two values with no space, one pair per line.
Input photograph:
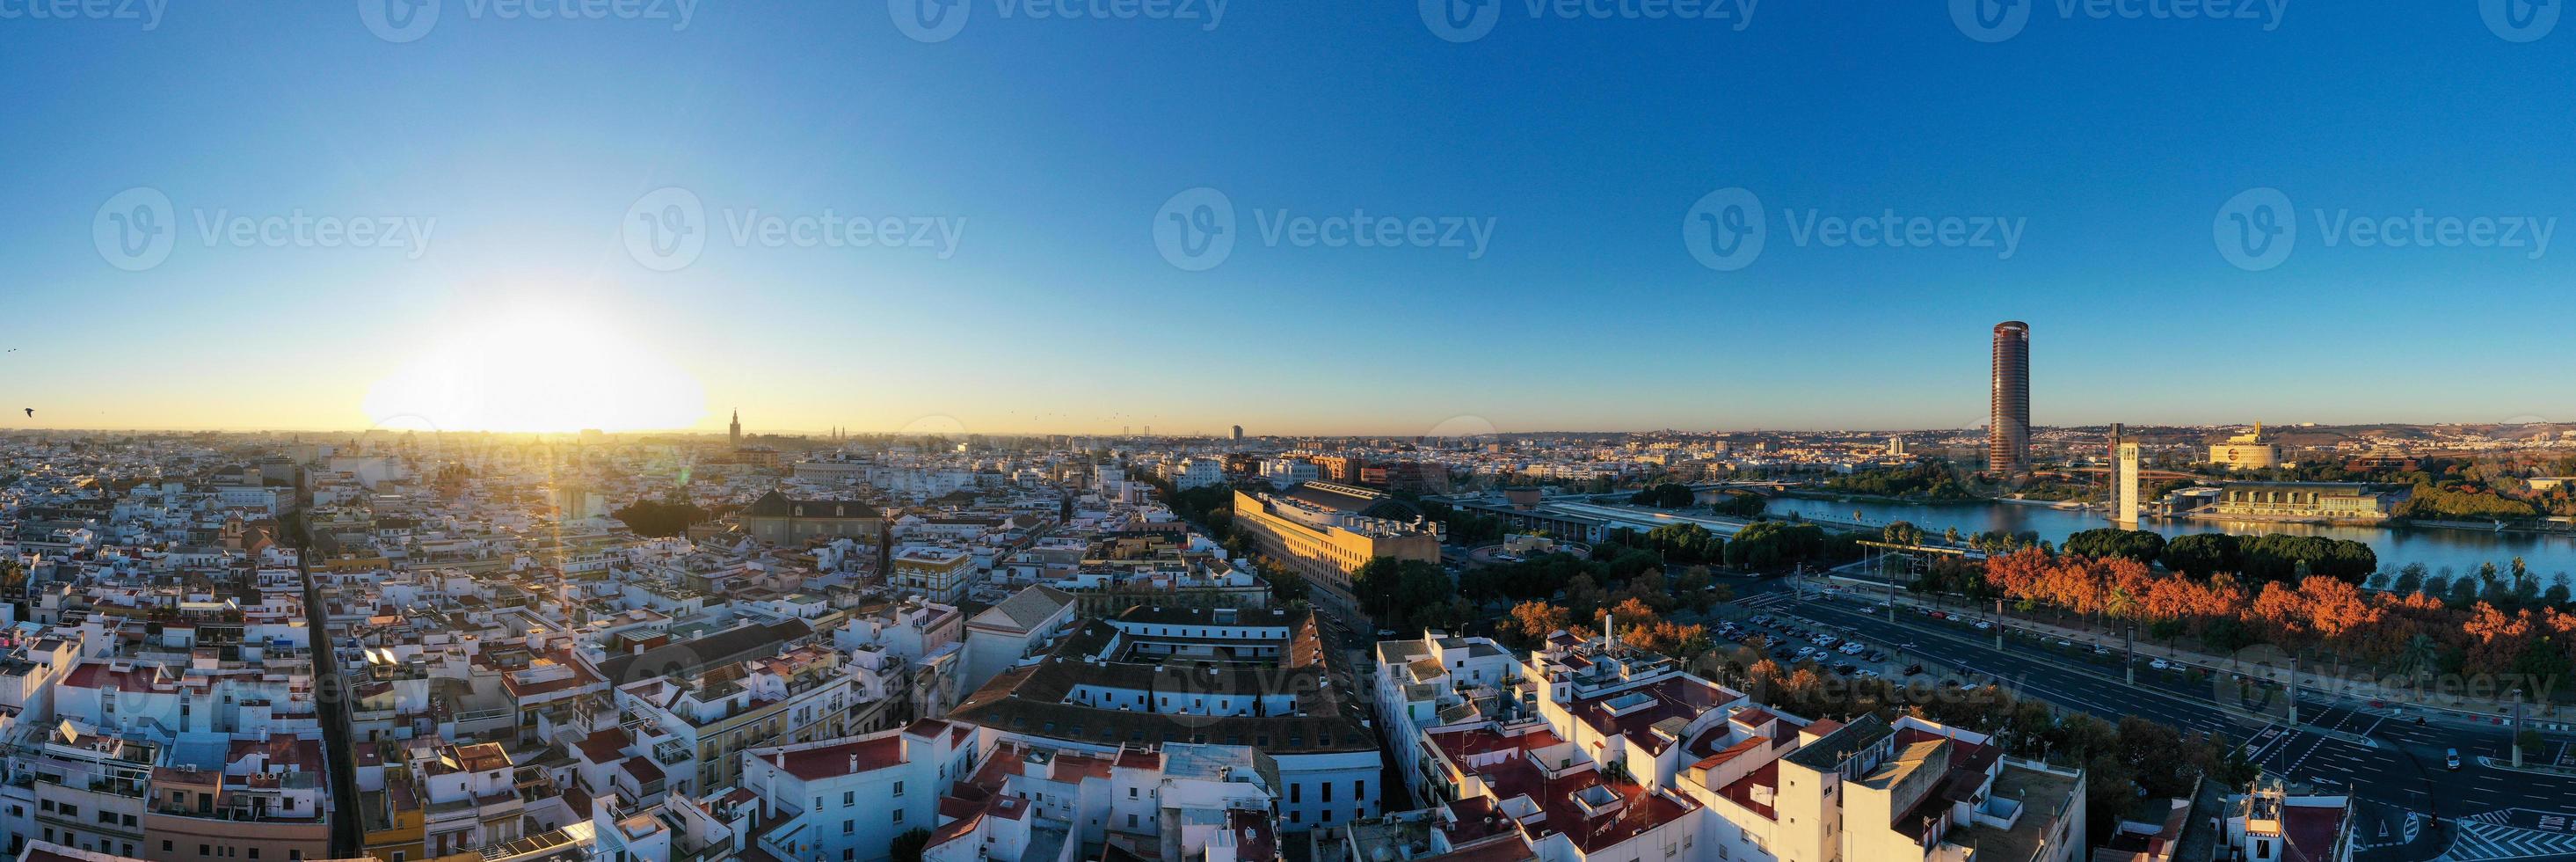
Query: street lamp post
[2129,647]
[2291,687]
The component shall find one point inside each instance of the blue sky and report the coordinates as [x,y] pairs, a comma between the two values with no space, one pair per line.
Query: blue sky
[1050,146]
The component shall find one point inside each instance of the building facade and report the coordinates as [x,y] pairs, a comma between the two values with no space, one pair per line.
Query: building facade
[2008,413]
[1326,532]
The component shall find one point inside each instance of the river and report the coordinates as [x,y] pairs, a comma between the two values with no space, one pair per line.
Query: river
[2436,547]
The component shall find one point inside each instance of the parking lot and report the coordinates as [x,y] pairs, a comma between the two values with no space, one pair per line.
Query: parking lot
[1791,639]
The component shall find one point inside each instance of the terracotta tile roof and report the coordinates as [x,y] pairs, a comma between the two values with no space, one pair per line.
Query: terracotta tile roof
[871,753]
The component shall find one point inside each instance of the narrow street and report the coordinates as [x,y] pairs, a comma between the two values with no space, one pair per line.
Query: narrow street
[331,695]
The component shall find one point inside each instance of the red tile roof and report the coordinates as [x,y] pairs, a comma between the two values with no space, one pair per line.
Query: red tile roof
[872,753]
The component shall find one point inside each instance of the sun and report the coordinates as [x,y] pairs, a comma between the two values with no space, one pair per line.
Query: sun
[535,368]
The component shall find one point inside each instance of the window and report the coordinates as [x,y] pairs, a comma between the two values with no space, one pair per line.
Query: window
[1131,793]
[898,816]
[849,827]
[1328,791]
[1131,821]
[1359,789]
[254,852]
[898,788]
[1296,793]
[849,798]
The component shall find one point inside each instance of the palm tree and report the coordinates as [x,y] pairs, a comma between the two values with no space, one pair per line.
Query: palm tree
[2418,656]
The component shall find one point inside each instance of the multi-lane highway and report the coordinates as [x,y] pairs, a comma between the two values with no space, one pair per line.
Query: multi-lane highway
[2416,807]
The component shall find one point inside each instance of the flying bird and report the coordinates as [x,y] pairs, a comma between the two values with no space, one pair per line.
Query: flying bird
[31,412]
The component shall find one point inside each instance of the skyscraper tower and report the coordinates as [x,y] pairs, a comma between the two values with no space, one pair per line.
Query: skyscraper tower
[736,432]
[2008,428]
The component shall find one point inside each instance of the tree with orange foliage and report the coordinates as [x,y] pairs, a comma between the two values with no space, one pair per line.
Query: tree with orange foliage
[1535,620]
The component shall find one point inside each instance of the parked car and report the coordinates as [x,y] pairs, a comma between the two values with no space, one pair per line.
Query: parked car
[2160,664]
[2063,643]
[1983,625]
[1913,669]
[2451,758]
[1845,669]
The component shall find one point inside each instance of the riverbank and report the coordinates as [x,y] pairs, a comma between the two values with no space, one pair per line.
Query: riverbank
[1880,499]
[2461,549]
[2552,527]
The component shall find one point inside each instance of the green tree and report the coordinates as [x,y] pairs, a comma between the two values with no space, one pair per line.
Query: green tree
[2410,579]
[2139,545]
[2203,554]
[908,846]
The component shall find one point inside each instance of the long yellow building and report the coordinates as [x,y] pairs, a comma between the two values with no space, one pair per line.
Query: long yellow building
[1325,532]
